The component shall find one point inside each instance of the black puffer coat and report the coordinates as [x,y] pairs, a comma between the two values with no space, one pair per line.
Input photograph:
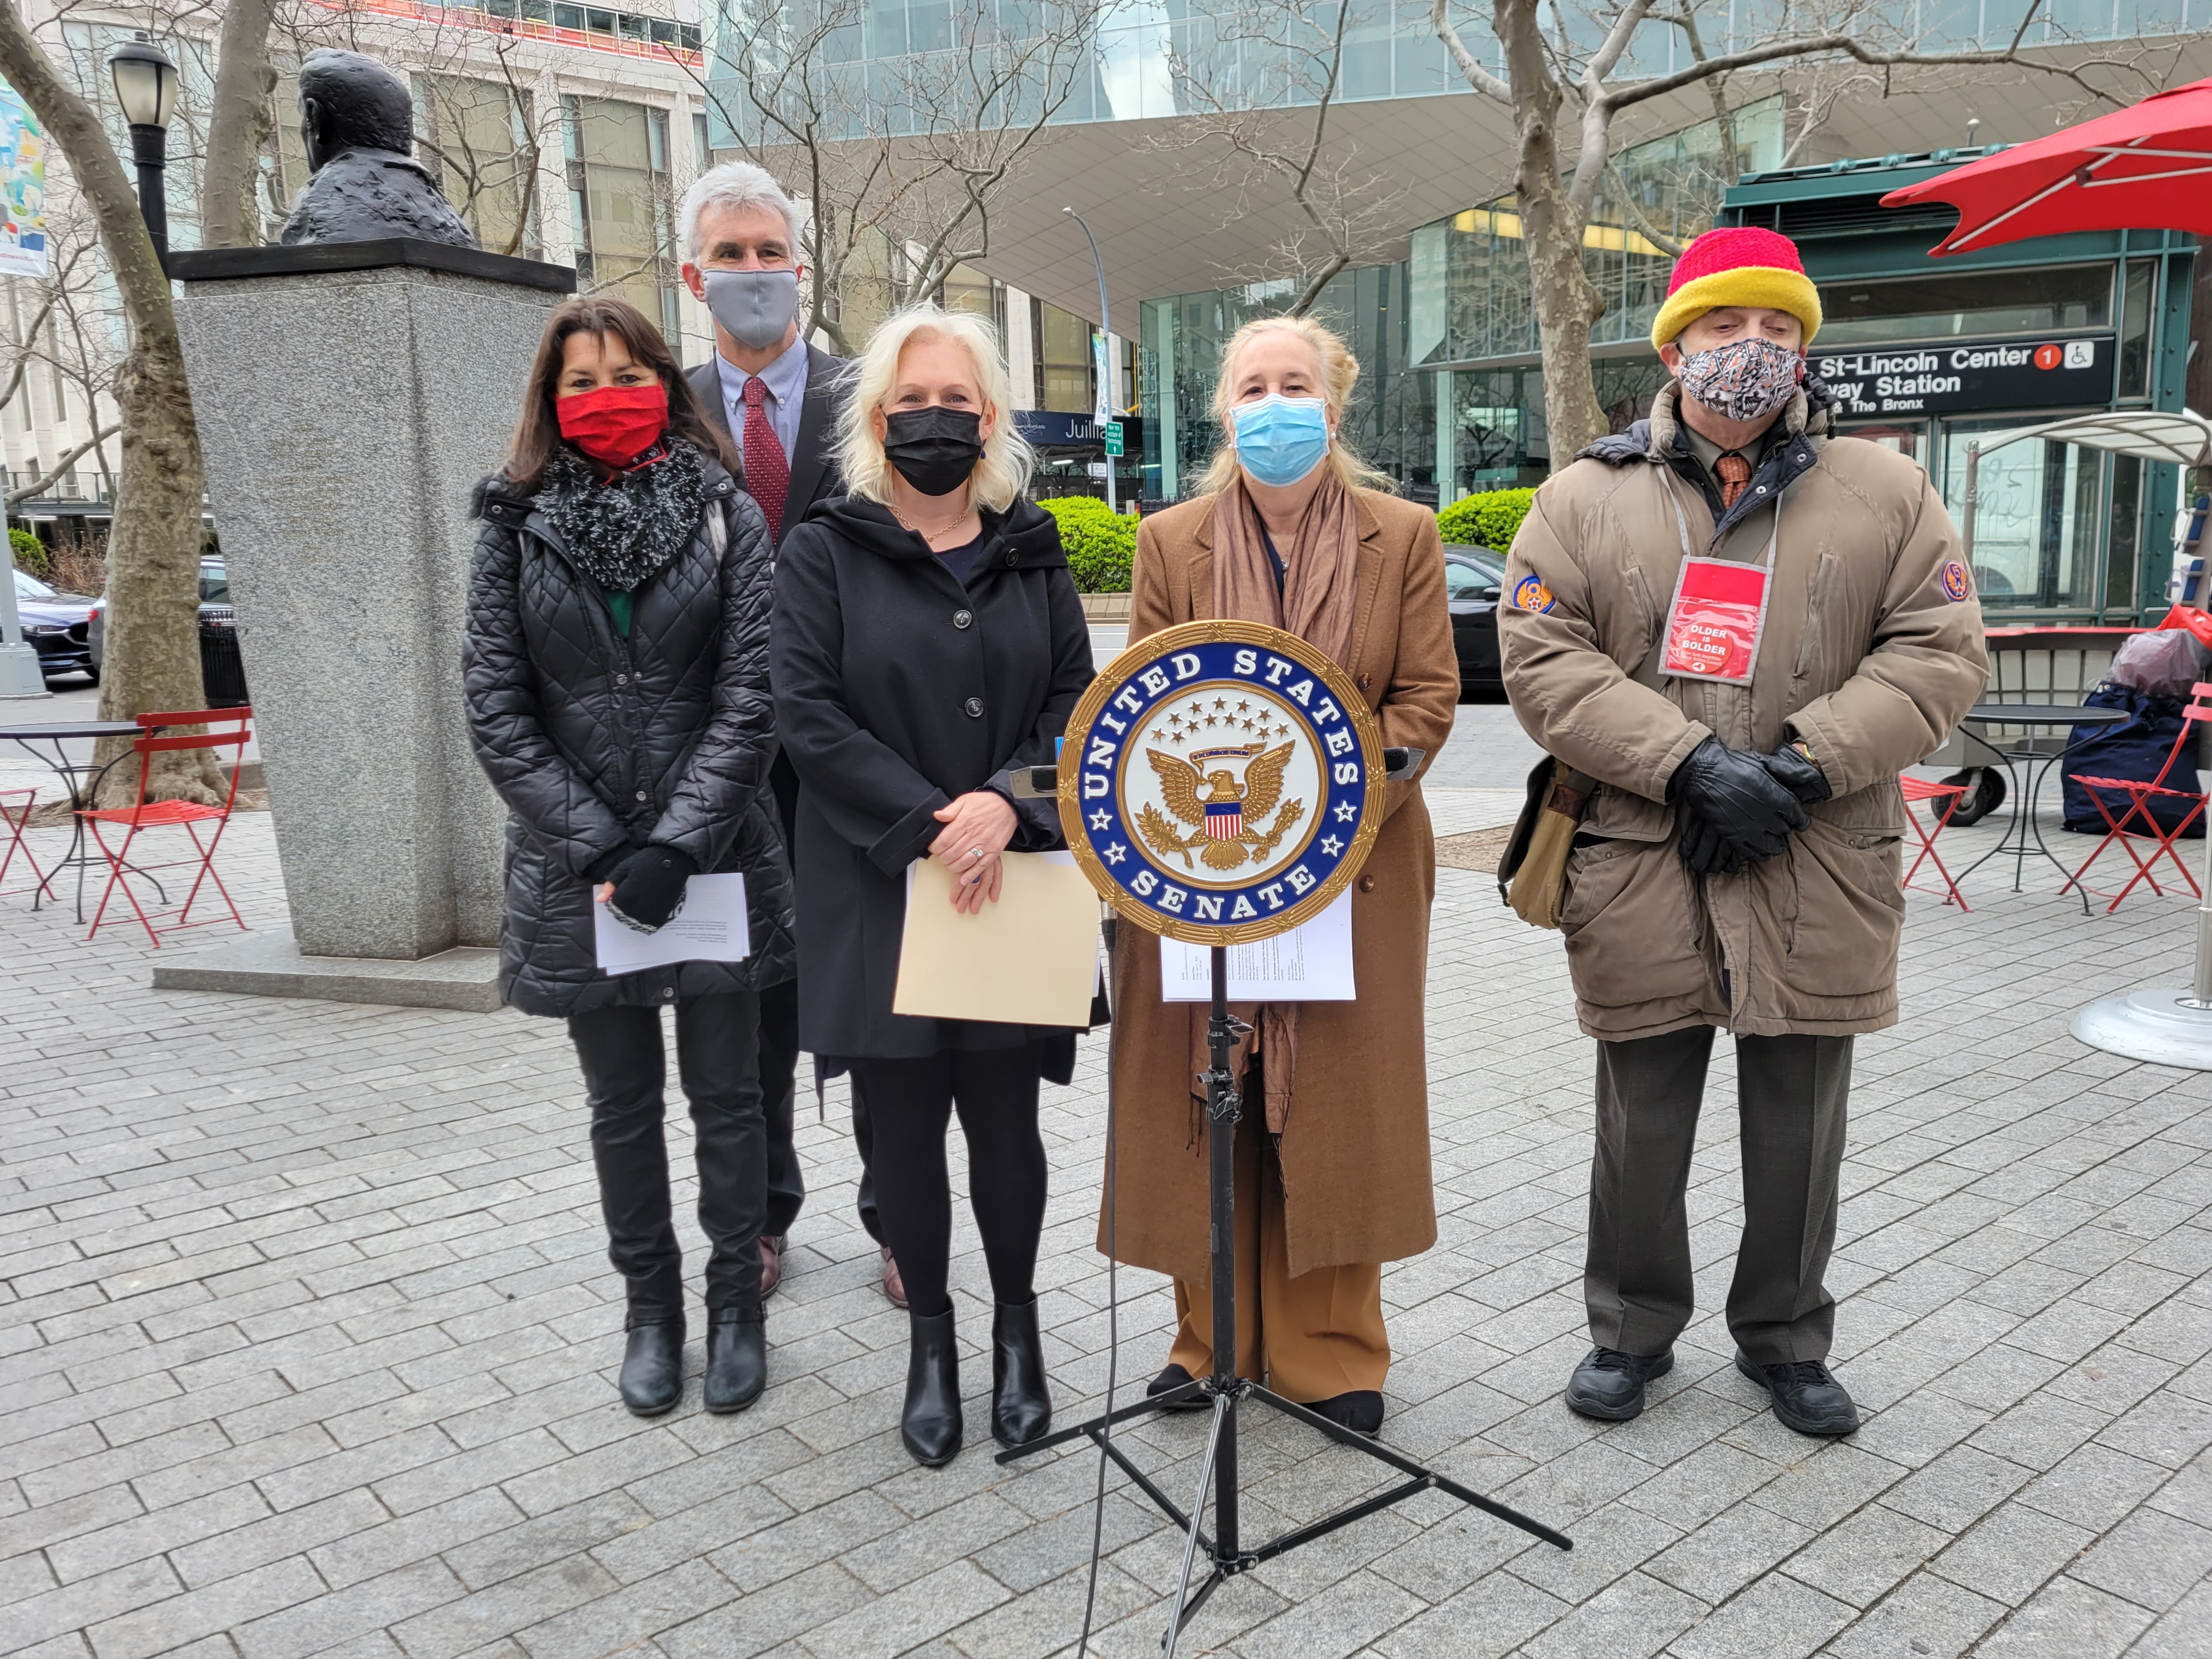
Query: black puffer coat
[898,687]
[597,742]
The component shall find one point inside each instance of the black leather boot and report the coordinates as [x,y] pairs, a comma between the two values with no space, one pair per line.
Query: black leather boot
[930,1421]
[737,1359]
[652,1368]
[1171,1378]
[1021,1409]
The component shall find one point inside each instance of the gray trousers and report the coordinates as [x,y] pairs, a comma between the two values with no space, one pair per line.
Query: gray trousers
[1792,1093]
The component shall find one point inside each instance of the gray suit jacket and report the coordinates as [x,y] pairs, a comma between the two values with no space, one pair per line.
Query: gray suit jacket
[814,474]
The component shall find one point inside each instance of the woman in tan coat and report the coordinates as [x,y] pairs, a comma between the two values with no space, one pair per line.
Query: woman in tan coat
[1333,1151]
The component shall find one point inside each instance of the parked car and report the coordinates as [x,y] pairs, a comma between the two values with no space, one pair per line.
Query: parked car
[1473,577]
[54,625]
[221,673]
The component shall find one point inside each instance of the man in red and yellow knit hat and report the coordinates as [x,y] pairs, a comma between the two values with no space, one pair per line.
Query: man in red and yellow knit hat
[1731,630]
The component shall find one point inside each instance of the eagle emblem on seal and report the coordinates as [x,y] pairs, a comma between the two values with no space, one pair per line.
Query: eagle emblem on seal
[1225,817]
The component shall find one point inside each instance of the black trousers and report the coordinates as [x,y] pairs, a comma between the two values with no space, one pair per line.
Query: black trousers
[1792,1095]
[779,1070]
[909,1105]
[625,1070]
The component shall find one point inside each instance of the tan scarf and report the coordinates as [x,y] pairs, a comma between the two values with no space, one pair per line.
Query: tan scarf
[1320,595]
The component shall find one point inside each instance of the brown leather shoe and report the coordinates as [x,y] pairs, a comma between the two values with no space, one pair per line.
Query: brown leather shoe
[894,1287]
[773,1246]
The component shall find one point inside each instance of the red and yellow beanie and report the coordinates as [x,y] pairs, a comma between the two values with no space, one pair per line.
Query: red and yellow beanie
[1741,265]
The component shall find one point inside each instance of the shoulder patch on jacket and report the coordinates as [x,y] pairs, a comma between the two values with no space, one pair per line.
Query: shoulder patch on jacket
[1957,584]
[1529,594]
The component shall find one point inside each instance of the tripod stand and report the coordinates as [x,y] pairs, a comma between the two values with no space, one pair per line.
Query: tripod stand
[1225,1553]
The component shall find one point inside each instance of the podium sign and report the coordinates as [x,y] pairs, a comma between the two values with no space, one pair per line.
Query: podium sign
[1221,782]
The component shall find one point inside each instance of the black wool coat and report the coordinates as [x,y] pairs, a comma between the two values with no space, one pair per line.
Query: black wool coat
[897,688]
[597,742]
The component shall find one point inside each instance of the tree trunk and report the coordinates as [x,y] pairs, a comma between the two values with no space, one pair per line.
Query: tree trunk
[230,210]
[1565,301]
[152,659]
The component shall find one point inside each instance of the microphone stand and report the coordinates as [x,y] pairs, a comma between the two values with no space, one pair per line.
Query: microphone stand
[1225,1553]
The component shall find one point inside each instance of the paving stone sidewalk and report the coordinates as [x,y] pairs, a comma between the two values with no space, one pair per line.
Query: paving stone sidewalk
[306,1344]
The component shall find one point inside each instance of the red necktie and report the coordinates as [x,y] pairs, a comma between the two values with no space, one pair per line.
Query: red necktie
[1734,470]
[768,472]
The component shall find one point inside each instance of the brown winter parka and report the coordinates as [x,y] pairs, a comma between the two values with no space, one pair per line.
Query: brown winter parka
[1872,652]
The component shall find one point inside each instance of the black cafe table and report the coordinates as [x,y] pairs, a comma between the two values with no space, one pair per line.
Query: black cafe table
[46,742]
[2024,834]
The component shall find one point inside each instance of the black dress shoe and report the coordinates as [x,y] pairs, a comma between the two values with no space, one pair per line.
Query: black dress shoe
[652,1368]
[1360,1411]
[930,1423]
[1021,1408]
[737,1359]
[1168,1381]
[1609,1384]
[1807,1396]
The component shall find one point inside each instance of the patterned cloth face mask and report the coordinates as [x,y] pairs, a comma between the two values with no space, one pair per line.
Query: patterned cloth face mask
[1744,379]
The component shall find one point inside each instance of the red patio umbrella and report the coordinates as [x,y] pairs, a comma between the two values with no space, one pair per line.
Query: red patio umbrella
[2119,172]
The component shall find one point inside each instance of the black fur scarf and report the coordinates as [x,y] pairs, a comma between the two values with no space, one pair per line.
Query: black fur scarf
[619,534]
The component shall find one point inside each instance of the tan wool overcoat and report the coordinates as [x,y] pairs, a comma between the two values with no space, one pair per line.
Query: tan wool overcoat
[1872,652]
[1355,1147]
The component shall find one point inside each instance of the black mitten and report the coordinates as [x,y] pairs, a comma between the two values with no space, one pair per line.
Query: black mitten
[649,887]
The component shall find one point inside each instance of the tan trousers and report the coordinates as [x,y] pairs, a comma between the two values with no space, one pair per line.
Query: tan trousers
[1310,1338]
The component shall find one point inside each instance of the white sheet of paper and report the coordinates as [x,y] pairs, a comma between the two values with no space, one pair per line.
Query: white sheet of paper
[711,928]
[1312,963]
[1030,959]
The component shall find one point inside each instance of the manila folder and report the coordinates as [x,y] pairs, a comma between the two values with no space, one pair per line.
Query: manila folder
[1030,959]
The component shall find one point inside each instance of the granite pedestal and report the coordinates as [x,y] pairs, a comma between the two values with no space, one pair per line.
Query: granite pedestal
[349,396]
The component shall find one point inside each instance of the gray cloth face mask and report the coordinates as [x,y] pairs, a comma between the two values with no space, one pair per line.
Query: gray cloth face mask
[757,307]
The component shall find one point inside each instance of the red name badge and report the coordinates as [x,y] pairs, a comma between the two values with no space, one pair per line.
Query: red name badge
[1713,629]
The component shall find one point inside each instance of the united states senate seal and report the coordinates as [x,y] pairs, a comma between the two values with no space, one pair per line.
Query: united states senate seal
[1221,781]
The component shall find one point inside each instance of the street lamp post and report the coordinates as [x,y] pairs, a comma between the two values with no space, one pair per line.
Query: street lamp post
[1106,337]
[146,92]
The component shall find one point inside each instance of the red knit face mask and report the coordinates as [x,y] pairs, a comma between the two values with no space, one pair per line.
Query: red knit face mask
[613,425]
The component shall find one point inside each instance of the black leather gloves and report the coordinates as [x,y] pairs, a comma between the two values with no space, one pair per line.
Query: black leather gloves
[649,886]
[1797,773]
[1739,814]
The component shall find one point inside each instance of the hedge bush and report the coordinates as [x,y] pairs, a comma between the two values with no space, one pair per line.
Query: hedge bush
[1488,519]
[31,555]
[1101,543]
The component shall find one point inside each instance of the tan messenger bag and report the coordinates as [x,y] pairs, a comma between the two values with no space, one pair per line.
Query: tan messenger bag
[1532,877]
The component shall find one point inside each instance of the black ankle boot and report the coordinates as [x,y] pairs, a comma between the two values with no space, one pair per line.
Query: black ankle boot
[1021,1409]
[652,1368]
[930,1422]
[737,1359]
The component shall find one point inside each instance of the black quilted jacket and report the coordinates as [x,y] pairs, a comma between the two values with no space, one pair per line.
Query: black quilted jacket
[597,742]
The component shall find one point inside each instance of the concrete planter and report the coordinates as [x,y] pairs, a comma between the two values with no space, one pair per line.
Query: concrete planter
[1105,607]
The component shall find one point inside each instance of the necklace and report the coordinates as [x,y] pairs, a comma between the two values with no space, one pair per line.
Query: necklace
[926,535]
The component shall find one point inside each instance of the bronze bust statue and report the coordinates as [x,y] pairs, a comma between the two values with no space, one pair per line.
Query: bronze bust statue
[357,119]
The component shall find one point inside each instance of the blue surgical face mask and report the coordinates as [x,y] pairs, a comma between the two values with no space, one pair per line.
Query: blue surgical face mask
[1279,440]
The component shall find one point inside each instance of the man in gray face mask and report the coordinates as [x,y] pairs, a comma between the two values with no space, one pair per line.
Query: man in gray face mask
[777,399]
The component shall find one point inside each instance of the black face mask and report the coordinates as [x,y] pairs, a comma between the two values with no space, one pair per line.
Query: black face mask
[934,449]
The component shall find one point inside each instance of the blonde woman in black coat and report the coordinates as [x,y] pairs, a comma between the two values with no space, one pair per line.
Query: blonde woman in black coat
[616,671]
[927,638]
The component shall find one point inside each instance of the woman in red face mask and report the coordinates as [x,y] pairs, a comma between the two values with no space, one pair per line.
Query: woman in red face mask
[616,666]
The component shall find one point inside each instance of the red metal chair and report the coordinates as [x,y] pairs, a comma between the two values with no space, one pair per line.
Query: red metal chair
[1950,794]
[15,817]
[146,815]
[2139,796]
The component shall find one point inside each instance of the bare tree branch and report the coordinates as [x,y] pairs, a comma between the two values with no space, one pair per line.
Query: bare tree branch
[46,479]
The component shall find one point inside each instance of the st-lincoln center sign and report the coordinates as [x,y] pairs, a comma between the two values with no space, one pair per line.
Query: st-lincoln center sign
[1968,376]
